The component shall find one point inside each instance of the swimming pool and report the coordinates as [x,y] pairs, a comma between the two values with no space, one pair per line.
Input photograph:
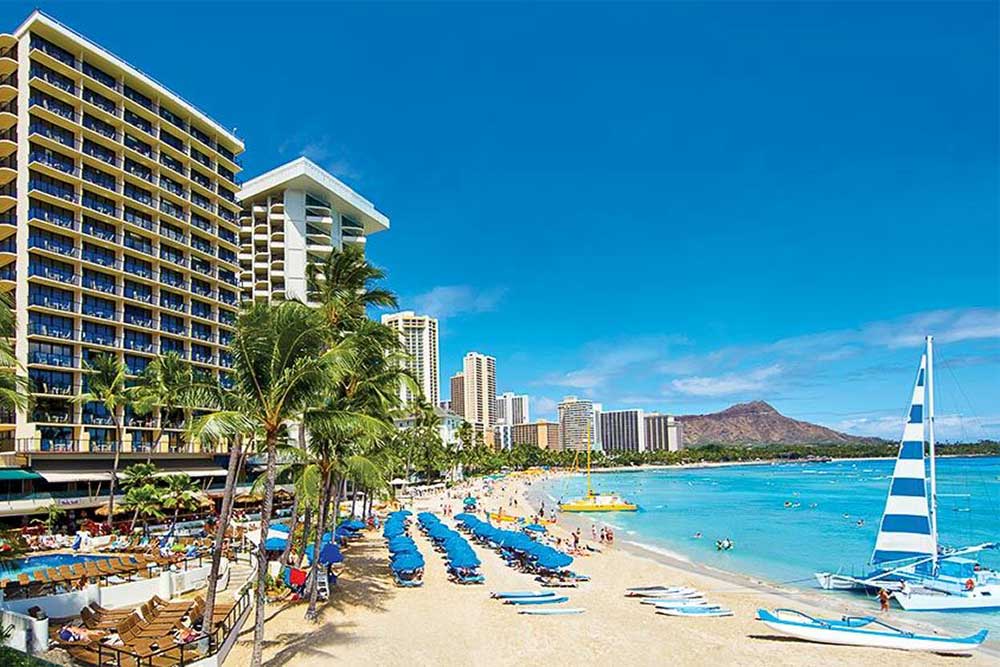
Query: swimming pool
[32,563]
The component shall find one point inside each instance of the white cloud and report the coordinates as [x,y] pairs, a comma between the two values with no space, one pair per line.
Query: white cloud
[753,381]
[449,300]
[543,407]
[947,427]
[324,152]
[609,361]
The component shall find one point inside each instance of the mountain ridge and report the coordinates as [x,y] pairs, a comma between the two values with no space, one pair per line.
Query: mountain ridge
[759,423]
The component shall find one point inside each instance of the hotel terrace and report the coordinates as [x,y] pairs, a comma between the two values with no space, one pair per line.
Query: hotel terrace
[120,233]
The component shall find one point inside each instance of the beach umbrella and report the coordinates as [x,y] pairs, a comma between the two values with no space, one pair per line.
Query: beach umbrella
[330,554]
[279,528]
[352,524]
[408,561]
[469,502]
[535,528]
[275,544]
[555,560]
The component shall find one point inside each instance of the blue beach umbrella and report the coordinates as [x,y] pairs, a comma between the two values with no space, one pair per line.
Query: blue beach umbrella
[275,544]
[535,528]
[406,562]
[330,554]
[279,527]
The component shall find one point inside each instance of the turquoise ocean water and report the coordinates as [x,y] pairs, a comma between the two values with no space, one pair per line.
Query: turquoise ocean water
[787,545]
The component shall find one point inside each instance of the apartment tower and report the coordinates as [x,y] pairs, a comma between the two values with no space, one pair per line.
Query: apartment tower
[419,337]
[294,215]
[544,434]
[479,388]
[457,400]
[118,235]
[663,432]
[511,409]
[577,424]
[623,431]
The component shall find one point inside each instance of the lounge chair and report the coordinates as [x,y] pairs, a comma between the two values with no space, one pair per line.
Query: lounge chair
[95,622]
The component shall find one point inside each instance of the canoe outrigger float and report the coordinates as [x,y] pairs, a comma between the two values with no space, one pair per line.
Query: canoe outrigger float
[864,631]
[597,502]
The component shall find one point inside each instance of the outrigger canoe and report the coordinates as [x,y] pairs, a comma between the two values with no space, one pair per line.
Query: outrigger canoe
[864,631]
[527,601]
[507,595]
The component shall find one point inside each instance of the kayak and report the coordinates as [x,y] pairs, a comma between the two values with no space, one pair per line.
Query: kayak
[550,612]
[661,592]
[693,598]
[864,631]
[696,611]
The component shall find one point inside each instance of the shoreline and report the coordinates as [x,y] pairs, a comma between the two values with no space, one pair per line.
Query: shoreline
[788,591]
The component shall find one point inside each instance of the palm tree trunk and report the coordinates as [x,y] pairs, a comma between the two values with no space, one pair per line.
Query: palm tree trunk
[354,497]
[220,533]
[135,518]
[313,579]
[306,527]
[270,443]
[114,476]
[291,531]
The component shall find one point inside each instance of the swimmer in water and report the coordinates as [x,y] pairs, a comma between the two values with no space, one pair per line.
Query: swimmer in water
[697,535]
[861,522]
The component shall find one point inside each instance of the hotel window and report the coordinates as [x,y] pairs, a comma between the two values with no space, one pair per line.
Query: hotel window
[51,186]
[100,75]
[98,177]
[98,334]
[98,203]
[136,365]
[138,267]
[136,169]
[98,255]
[170,208]
[99,126]
[172,301]
[201,244]
[171,232]
[138,145]
[201,222]
[49,297]
[46,240]
[43,324]
[138,218]
[172,255]
[201,287]
[171,324]
[200,157]
[56,52]
[201,353]
[171,140]
[50,354]
[137,242]
[141,195]
[201,309]
[100,101]
[137,340]
[171,277]
[172,118]
[201,201]
[51,269]
[47,129]
[137,97]
[137,292]
[98,307]
[51,382]
[171,345]
[100,152]
[201,179]
[99,281]
[171,163]
[42,72]
[49,157]
[132,118]
[200,136]
[101,230]
[58,107]
[170,185]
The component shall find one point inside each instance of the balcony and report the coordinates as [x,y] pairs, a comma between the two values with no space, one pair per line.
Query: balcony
[50,359]
[51,273]
[50,330]
[98,337]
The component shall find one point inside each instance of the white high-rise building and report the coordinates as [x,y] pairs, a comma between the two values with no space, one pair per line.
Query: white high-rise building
[419,336]
[293,215]
[479,377]
[623,430]
[578,423]
[511,410]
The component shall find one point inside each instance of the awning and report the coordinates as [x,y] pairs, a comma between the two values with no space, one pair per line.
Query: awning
[17,474]
[193,472]
[61,476]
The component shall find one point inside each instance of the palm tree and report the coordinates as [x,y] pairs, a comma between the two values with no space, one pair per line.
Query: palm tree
[144,501]
[163,385]
[106,384]
[283,361]
[137,474]
[344,287]
[53,513]
[180,492]
[14,386]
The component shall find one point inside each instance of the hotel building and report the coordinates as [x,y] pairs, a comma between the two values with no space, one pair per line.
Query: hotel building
[578,423]
[120,234]
[294,215]
[457,388]
[419,337]
[663,432]
[479,392]
[511,409]
[119,217]
[623,431]
[542,434]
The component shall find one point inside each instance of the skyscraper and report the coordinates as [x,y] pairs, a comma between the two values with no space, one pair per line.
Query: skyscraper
[293,215]
[623,430]
[511,409]
[577,424]
[120,234]
[479,374]
[457,399]
[663,432]
[419,336]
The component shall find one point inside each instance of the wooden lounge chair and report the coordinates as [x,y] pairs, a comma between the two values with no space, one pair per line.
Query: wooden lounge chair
[105,568]
[95,622]
[104,613]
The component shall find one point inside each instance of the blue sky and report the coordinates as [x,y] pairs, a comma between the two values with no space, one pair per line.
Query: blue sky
[672,206]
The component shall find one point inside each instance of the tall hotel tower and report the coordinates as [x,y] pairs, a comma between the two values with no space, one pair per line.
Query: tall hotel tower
[293,215]
[119,233]
[419,337]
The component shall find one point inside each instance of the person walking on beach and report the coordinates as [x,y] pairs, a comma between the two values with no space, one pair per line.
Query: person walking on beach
[883,599]
[593,531]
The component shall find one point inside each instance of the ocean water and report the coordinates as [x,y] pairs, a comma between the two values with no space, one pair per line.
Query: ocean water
[831,526]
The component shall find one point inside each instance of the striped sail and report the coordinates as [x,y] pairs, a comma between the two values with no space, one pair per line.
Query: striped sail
[905,531]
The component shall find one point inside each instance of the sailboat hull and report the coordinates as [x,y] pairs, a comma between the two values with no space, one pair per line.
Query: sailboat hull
[985,599]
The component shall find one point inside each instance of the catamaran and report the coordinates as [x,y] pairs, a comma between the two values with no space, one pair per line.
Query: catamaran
[597,502]
[908,560]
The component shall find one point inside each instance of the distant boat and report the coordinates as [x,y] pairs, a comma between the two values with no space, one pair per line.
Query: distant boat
[597,502]
[864,631]
[907,558]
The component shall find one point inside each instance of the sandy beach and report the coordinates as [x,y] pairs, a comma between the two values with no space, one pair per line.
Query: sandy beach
[371,622]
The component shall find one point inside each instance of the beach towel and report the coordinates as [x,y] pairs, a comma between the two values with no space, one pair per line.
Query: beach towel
[297,577]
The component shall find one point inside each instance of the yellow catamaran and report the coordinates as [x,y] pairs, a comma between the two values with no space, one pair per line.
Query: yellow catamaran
[597,502]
